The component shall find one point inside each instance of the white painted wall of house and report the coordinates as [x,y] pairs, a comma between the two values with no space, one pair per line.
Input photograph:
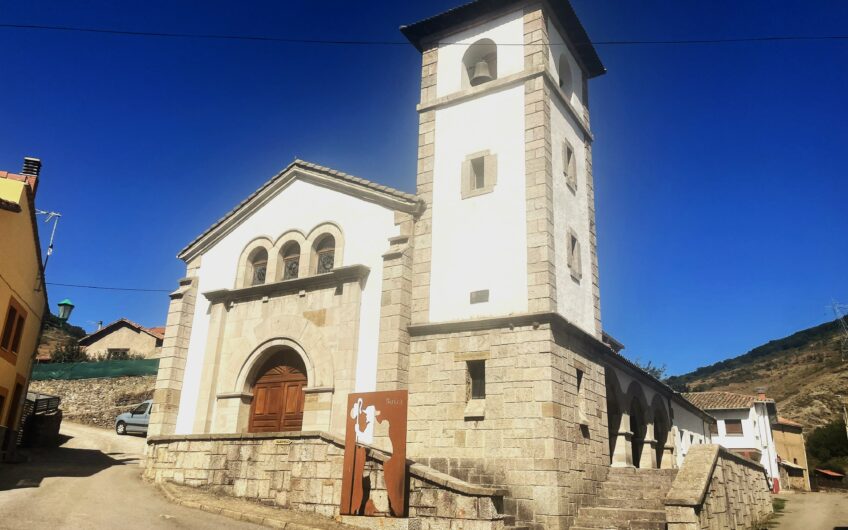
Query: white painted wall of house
[690,430]
[366,228]
[756,433]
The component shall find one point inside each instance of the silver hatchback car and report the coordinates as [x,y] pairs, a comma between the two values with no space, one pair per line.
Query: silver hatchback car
[135,420]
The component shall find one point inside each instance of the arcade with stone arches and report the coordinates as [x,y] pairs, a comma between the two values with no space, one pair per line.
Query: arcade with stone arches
[641,434]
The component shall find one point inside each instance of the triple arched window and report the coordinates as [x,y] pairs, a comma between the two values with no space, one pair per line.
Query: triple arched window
[294,255]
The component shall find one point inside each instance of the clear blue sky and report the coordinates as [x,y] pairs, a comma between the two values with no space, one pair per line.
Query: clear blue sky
[720,169]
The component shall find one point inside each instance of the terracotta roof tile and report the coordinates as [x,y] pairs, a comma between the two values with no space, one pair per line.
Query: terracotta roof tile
[786,421]
[719,400]
[159,331]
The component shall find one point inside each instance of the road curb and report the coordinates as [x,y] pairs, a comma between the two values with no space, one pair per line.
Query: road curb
[270,522]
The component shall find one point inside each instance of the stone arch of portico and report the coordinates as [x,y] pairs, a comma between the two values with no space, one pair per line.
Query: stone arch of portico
[618,421]
[641,426]
[664,448]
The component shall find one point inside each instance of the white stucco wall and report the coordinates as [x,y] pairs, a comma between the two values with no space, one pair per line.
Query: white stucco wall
[302,206]
[558,49]
[690,430]
[756,434]
[571,211]
[479,242]
[508,29]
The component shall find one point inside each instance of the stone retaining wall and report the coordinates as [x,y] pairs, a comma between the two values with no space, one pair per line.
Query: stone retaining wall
[303,471]
[97,401]
[717,489]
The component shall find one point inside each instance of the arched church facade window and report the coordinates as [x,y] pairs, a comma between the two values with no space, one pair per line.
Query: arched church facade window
[325,253]
[291,260]
[258,266]
[278,397]
[480,63]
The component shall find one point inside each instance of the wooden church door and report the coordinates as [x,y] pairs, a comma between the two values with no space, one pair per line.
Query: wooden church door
[278,400]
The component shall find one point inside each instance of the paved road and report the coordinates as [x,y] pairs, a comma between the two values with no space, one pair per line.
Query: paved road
[92,481]
[814,511]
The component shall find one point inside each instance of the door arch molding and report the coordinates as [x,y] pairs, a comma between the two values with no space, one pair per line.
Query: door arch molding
[261,354]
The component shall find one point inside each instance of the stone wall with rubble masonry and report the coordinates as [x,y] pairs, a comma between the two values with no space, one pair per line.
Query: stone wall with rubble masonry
[533,434]
[718,489]
[303,471]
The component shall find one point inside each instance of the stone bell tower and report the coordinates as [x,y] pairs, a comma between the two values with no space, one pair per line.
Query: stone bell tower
[505,165]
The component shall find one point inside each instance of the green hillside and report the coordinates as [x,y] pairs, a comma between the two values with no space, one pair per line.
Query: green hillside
[803,372]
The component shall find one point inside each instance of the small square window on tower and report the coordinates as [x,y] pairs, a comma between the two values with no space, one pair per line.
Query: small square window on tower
[569,166]
[575,265]
[479,174]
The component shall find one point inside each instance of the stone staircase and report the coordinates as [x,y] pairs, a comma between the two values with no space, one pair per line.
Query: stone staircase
[630,499]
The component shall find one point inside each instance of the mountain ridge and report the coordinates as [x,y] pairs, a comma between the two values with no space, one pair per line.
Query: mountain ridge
[803,372]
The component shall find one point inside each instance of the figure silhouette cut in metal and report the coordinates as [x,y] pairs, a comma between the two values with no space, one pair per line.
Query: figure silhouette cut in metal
[365,411]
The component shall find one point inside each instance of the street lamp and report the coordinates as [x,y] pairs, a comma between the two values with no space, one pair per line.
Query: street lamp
[65,308]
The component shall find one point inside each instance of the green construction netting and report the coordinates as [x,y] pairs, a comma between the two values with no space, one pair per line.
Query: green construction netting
[41,372]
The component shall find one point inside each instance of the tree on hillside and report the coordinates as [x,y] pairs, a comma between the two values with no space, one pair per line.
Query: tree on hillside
[827,447]
[652,369]
[69,352]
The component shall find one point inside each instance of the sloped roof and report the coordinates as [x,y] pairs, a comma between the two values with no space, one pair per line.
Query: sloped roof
[719,400]
[316,174]
[105,330]
[10,206]
[785,421]
[829,473]
[419,32]
[158,331]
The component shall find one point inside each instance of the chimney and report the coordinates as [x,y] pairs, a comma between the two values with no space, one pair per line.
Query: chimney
[31,171]
[99,325]
[761,394]
[32,166]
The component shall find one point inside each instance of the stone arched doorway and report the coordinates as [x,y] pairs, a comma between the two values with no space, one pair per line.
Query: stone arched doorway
[277,403]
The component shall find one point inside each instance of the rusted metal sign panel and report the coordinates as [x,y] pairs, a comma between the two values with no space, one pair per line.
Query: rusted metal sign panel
[365,412]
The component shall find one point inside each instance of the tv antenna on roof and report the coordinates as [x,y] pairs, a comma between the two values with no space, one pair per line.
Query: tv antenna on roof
[51,216]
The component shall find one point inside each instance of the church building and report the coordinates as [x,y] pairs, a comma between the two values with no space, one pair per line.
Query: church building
[479,293]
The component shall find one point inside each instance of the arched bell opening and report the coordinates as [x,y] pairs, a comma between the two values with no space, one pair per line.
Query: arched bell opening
[277,389]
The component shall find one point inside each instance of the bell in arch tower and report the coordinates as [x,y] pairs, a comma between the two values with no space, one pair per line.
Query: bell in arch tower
[505,165]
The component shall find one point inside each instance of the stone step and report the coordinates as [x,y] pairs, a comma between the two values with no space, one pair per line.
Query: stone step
[621,515]
[640,471]
[628,503]
[641,483]
[606,525]
[619,491]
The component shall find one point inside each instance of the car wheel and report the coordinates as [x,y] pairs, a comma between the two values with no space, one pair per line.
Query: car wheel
[121,428]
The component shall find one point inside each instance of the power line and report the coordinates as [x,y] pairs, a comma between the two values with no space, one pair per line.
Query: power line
[366,42]
[109,288]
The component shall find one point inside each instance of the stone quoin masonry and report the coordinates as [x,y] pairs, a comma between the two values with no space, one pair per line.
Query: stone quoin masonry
[479,295]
